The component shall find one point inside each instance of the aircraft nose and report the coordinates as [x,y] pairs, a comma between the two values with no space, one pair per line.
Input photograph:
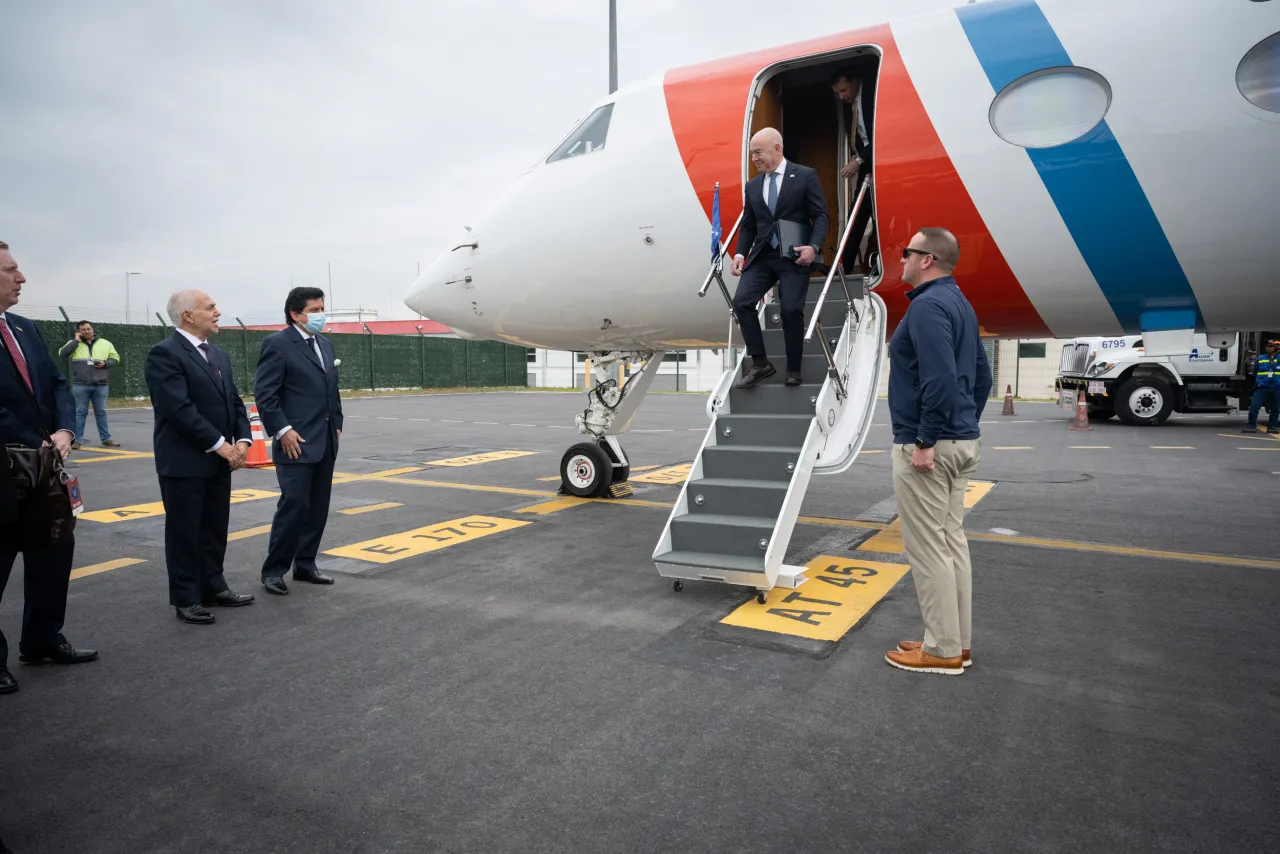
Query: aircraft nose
[440,290]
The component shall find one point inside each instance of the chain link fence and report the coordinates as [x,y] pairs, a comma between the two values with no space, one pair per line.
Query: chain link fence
[369,361]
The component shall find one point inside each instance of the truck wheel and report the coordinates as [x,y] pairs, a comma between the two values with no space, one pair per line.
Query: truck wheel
[1144,401]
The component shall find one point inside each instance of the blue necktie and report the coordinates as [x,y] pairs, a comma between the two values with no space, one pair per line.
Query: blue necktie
[771,199]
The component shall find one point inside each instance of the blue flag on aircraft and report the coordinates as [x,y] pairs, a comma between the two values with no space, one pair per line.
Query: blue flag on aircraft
[715,224]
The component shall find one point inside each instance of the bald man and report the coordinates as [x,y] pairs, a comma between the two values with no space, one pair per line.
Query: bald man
[781,192]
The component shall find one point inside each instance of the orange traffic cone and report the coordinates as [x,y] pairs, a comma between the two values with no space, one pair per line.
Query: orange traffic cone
[257,456]
[1008,400]
[1082,414]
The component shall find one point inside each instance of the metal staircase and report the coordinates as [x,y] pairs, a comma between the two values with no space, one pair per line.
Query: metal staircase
[733,520]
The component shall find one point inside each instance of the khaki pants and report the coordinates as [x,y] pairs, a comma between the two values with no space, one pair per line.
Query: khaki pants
[931,508]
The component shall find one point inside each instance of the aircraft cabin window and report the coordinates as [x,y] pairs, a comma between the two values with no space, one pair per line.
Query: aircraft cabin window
[1258,78]
[1050,107]
[587,137]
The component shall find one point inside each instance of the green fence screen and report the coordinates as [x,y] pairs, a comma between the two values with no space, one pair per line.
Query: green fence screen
[368,361]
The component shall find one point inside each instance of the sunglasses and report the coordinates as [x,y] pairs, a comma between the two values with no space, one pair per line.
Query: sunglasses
[906,253]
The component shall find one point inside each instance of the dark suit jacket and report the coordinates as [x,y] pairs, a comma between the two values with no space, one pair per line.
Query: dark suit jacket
[18,424]
[799,200]
[291,389]
[191,409]
[867,97]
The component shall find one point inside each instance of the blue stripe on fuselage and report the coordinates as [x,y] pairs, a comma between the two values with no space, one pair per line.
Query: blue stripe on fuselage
[1090,180]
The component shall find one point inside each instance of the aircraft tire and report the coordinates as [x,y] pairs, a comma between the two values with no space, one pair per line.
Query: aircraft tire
[585,470]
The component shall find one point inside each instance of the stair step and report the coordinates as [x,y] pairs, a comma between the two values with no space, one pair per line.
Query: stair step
[721,534]
[768,430]
[813,369]
[760,498]
[775,343]
[732,562]
[833,314]
[772,399]
[760,462]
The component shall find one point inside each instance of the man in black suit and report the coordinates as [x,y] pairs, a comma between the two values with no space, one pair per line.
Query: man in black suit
[856,94]
[26,371]
[296,391]
[782,191]
[201,435]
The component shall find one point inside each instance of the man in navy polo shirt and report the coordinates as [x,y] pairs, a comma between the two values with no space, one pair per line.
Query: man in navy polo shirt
[939,381]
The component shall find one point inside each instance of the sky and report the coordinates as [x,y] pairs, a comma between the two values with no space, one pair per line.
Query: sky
[241,146]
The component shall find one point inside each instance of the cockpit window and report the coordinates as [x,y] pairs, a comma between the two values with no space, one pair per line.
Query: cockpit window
[588,137]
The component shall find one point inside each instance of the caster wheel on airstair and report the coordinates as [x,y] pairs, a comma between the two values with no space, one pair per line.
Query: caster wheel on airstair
[762,597]
[585,470]
[677,585]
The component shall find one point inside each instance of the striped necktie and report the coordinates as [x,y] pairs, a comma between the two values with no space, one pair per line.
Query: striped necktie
[11,345]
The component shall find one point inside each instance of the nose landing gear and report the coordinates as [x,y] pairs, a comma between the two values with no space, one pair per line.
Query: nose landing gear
[598,467]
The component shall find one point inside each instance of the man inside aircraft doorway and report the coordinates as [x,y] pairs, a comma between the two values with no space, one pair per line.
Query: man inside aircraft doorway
[781,194]
[856,94]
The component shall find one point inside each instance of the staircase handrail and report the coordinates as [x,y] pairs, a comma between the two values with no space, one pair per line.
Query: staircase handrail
[836,266]
[717,266]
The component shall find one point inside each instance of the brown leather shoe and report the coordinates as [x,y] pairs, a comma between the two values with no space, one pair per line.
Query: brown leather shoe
[111,443]
[75,446]
[793,378]
[919,661]
[909,646]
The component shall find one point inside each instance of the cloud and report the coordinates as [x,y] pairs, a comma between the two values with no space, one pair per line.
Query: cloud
[233,145]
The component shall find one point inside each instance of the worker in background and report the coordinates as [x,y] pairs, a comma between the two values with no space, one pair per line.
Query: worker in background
[92,359]
[1267,390]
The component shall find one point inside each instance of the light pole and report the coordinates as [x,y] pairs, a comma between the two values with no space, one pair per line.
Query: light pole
[613,46]
[126,294]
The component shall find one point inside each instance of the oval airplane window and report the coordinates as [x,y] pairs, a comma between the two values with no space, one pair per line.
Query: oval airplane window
[1258,76]
[1052,106]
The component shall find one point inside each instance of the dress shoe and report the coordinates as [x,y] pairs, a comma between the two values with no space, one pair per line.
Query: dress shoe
[909,646]
[793,378]
[919,661]
[313,577]
[75,446]
[195,614]
[7,683]
[111,443]
[63,653]
[227,599]
[755,375]
[276,586]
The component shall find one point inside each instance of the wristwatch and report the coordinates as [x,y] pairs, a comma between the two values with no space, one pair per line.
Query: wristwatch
[924,447]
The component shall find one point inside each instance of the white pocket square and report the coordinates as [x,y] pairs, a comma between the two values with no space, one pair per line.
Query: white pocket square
[337,362]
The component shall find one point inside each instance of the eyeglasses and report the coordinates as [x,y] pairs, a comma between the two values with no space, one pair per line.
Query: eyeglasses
[909,251]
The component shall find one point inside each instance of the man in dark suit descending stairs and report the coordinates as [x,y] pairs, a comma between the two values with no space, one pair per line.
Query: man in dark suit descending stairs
[782,192]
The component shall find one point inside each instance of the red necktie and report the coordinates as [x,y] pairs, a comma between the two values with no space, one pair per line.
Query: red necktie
[14,353]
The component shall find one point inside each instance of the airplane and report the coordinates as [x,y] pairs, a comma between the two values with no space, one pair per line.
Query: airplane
[1109,169]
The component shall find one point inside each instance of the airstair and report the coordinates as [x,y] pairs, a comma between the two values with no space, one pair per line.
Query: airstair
[733,520]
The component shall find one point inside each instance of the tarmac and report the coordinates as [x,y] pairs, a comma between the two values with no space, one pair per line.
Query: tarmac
[500,669]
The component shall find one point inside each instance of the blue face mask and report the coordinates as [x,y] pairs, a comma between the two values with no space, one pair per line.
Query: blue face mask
[315,322]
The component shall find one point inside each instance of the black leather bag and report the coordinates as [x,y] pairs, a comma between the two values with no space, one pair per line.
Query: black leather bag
[38,481]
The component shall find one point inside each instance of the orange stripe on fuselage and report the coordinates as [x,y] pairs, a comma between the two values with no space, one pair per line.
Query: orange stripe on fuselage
[916,182]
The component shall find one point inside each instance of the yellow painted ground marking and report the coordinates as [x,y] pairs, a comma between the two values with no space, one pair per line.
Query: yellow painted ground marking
[888,541]
[1255,448]
[976,491]
[839,523]
[1013,448]
[671,475]
[1259,437]
[105,567]
[156,508]
[476,459]
[1090,447]
[877,451]
[349,476]
[473,487]
[248,532]
[429,539]
[633,468]
[125,452]
[109,458]
[840,591]
[552,506]
[1131,551]
[369,508]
